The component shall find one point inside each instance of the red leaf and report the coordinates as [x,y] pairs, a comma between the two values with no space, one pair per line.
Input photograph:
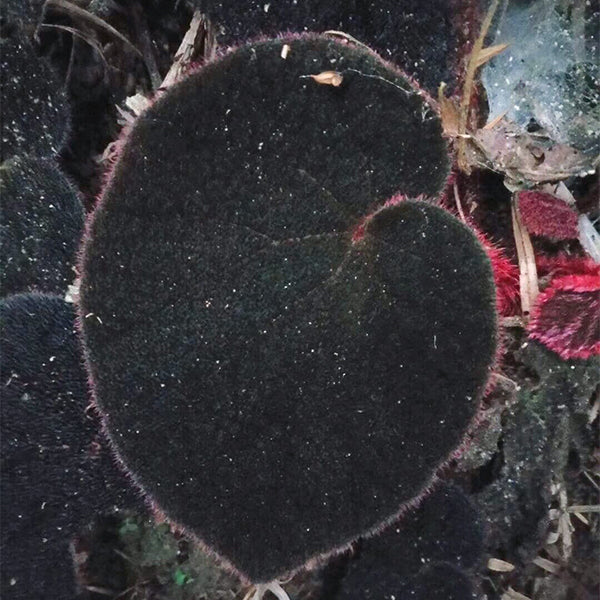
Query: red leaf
[563,264]
[506,276]
[548,216]
[566,317]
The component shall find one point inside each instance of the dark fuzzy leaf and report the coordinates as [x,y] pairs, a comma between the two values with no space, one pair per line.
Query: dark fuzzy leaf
[22,12]
[439,581]
[419,37]
[566,316]
[35,111]
[55,473]
[445,527]
[276,387]
[40,227]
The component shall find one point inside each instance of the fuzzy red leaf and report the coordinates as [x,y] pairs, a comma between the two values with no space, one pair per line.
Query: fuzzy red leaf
[566,317]
[548,216]
[506,276]
[563,264]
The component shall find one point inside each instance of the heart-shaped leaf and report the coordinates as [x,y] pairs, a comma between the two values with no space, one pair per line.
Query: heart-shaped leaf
[275,382]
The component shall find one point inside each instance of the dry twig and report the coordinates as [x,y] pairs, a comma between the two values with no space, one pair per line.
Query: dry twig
[500,566]
[528,279]
[76,12]
[486,54]
[143,36]
[512,594]
[79,34]
[547,565]
[465,102]
[188,49]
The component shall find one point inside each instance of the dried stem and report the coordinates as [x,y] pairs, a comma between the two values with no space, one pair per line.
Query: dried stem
[465,102]
[76,12]
[528,279]
[187,50]
[143,36]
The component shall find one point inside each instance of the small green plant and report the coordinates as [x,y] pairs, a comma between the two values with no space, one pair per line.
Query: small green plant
[153,552]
